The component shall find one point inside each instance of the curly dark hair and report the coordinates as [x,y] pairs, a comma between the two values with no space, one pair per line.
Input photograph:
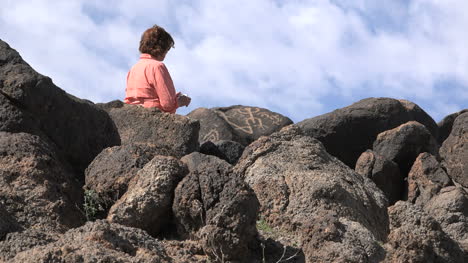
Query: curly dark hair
[155,41]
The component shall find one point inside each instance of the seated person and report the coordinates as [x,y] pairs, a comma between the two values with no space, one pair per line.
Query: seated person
[149,83]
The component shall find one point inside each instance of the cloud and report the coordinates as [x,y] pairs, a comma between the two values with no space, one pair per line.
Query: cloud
[300,58]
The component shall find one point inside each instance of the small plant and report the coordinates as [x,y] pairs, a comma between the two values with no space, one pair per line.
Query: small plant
[263,226]
[92,205]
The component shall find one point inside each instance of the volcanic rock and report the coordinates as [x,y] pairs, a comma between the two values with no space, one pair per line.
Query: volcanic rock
[243,124]
[111,171]
[217,207]
[417,237]
[446,124]
[78,128]
[148,200]
[425,179]
[137,124]
[454,151]
[23,240]
[349,131]
[36,188]
[7,223]
[98,241]
[229,151]
[300,187]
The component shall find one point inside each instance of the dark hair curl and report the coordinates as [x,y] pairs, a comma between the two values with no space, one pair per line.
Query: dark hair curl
[155,41]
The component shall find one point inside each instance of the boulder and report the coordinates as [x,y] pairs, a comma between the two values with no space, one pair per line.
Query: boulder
[454,151]
[229,151]
[383,172]
[404,143]
[417,237]
[349,131]
[243,124]
[306,192]
[450,209]
[78,128]
[148,200]
[137,124]
[446,124]
[23,240]
[111,171]
[425,179]
[217,207]
[36,188]
[98,241]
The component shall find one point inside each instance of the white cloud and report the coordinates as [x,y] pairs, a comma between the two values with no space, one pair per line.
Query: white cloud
[288,56]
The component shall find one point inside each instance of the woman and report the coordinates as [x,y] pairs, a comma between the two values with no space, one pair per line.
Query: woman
[149,83]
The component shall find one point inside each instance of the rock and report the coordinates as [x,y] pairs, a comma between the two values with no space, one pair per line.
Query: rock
[60,116]
[148,200]
[142,125]
[15,119]
[404,143]
[26,239]
[36,188]
[7,223]
[450,209]
[187,251]
[212,126]
[454,151]
[446,124]
[111,171]
[243,124]
[416,237]
[98,241]
[229,151]
[349,131]
[217,207]
[300,186]
[383,172]
[425,179]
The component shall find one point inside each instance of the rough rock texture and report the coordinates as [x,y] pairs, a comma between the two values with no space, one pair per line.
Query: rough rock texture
[186,251]
[454,151]
[98,241]
[35,187]
[148,200]
[416,237]
[450,209]
[349,131]
[111,171]
[34,99]
[425,179]
[301,187]
[136,124]
[17,242]
[229,151]
[217,207]
[243,124]
[404,143]
[7,223]
[445,125]
[383,172]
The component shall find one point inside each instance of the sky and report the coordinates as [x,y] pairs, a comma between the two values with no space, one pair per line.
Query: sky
[296,57]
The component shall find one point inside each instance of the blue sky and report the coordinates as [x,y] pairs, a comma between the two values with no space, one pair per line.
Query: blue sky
[299,58]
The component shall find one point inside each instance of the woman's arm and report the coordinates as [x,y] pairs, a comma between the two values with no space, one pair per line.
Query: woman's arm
[165,89]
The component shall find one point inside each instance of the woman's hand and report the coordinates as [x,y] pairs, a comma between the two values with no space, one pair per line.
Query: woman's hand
[183,100]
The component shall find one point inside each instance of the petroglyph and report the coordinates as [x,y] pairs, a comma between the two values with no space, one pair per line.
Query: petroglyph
[249,118]
[212,135]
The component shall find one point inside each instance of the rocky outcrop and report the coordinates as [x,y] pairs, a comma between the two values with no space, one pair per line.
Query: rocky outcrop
[383,172]
[111,171]
[229,151]
[450,209]
[147,202]
[446,124]
[98,242]
[416,237]
[35,187]
[217,207]
[454,151]
[23,240]
[425,179]
[178,134]
[308,193]
[242,124]
[31,103]
[350,131]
